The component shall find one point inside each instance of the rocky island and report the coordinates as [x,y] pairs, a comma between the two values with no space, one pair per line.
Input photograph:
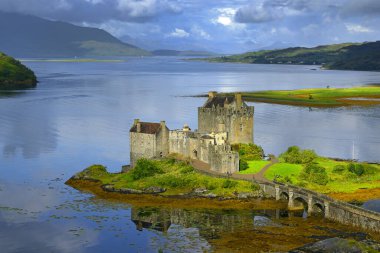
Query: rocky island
[14,75]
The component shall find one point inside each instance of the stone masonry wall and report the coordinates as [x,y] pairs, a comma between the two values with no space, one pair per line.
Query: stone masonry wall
[238,123]
[142,145]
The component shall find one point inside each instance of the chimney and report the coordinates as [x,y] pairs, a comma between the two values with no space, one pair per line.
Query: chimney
[186,128]
[212,94]
[163,124]
[238,99]
[136,121]
[138,127]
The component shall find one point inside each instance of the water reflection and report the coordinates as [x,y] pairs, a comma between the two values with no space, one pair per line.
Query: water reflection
[219,227]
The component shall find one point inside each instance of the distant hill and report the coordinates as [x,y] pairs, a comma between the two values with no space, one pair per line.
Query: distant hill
[167,52]
[29,36]
[15,75]
[347,56]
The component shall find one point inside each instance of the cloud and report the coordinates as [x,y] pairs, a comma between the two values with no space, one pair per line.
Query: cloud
[355,28]
[361,8]
[145,8]
[270,10]
[93,11]
[225,17]
[200,32]
[179,33]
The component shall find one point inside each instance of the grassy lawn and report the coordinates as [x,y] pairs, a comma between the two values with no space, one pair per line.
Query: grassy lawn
[254,167]
[322,97]
[177,177]
[284,169]
[339,182]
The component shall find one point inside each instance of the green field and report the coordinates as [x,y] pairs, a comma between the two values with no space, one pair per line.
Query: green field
[175,176]
[339,181]
[284,170]
[321,97]
[254,167]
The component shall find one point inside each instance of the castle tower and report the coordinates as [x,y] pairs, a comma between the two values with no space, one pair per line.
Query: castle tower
[229,113]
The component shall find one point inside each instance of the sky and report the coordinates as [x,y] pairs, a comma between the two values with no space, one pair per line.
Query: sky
[220,26]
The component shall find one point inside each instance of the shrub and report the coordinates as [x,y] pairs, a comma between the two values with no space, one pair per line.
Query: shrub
[229,183]
[314,173]
[249,151]
[173,181]
[145,168]
[243,165]
[370,169]
[284,180]
[356,168]
[297,156]
[339,168]
[94,171]
[187,169]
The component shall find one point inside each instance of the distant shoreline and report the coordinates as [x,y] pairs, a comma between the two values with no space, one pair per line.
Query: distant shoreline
[71,60]
[368,95]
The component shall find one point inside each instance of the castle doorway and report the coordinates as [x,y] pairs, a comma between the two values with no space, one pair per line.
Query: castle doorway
[195,154]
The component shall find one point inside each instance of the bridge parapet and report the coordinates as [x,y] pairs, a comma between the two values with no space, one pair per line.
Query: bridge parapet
[333,209]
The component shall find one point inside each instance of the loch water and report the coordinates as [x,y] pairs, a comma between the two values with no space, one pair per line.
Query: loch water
[80,114]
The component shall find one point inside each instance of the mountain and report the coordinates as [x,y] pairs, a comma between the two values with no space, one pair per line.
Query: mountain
[167,52]
[29,36]
[346,56]
[15,75]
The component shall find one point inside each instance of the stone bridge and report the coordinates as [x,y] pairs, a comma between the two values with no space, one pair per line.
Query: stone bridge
[320,204]
[315,203]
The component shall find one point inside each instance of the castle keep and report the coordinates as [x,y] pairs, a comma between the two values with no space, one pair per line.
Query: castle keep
[222,121]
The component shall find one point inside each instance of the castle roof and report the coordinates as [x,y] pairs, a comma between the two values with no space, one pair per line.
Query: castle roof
[219,101]
[147,128]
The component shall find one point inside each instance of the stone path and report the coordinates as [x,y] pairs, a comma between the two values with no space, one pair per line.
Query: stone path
[204,168]
[260,175]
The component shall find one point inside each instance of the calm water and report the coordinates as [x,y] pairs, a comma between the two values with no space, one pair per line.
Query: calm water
[80,114]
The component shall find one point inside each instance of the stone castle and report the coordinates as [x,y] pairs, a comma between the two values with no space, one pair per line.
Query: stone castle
[222,121]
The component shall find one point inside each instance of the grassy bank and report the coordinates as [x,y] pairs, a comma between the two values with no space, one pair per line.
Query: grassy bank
[346,180]
[321,97]
[169,176]
[14,75]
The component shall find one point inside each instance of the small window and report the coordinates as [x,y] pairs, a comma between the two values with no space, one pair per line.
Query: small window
[241,127]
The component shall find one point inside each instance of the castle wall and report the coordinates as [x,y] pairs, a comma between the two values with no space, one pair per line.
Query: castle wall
[190,144]
[179,142]
[142,145]
[237,122]
[223,160]
[162,144]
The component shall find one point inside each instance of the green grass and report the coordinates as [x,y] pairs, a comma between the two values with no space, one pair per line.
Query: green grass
[15,75]
[339,182]
[284,170]
[254,167]
[176,177]
[320,97]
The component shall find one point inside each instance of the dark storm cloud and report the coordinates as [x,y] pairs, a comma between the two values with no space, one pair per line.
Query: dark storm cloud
[361,8]
[270,10]
[95,11]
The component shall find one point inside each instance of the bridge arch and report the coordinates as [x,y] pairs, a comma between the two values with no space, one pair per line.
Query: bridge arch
[299,201]
[318,209]
[284,196]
